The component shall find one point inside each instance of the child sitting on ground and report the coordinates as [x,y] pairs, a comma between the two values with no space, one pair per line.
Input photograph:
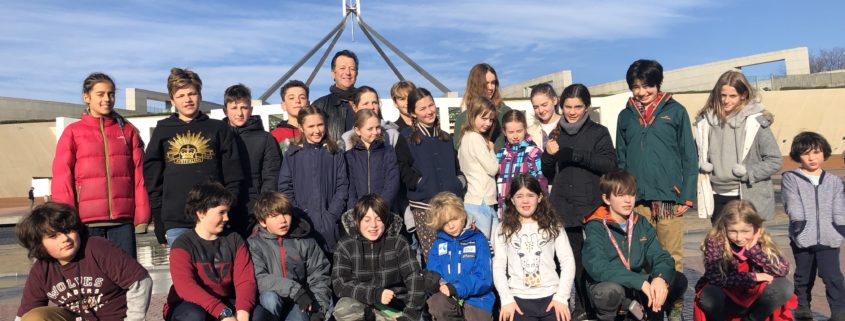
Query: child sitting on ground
[293,274]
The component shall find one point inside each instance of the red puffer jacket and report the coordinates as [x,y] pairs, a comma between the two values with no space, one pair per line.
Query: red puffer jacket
[102,177]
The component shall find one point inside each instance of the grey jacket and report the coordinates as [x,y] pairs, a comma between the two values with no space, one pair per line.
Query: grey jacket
[816,213]
[389,131]
[760,157]
[304,265]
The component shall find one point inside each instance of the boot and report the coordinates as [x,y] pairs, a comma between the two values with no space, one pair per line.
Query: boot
[803,312]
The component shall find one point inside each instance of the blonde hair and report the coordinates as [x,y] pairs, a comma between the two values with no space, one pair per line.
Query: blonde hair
[740,211]
[183,78]
[714,102]
[361,117]
[445,206]
[479,107]
[401,89]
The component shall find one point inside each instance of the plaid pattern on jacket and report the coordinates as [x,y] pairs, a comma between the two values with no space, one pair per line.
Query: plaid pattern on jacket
[515,159]
[363,269]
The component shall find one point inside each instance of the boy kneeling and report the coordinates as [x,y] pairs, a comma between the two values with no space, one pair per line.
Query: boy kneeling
[292,273]
[375,273]
[628,271]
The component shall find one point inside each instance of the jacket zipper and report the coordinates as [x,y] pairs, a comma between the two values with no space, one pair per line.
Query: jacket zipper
[282,254]
[818,225]
[108,174]
[369,173]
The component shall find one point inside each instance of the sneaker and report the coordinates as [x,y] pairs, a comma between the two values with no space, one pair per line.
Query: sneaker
[635,310]
[802,312]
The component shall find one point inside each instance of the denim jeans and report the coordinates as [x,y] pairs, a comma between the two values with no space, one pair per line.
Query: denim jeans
[280,309]
[121,235]
[173,233]
[484,216]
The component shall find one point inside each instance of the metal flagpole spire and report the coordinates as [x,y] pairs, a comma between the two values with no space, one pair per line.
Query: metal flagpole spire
[353,7]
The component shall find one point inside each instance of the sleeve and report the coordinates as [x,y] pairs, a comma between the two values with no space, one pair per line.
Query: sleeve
[184,276]
[138,299]
[244,278]
[479,280]
[791,198]
[713,275]
[433,262]
[230,162]
[601,262]
[662,263]
[286,179]
[563,251]
[33,295]
[154,171]
[483,156]
[535,166]
[265,280]
[405,161]
[391,178]
[777,268]
[839,210]
[319,273]
[689,159]
[142,200]
[621,140]
[410,269]
[345,285]
[118,266]
[341,187]
[271,164]
[63,182]
[602,159]
[352,192]
[771,159]
[549,166]
[500,267]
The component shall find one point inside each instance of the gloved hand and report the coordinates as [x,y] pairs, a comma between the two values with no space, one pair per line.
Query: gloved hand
[565,154]
[304,299]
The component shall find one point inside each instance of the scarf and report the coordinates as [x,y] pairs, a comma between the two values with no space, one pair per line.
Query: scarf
[572,128]
[646,112]
[344,95]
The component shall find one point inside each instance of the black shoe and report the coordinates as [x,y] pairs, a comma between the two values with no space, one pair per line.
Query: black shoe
[839,316]
[802,312]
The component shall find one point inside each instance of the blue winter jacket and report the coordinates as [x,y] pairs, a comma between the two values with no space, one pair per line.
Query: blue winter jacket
[372,171]
[429,167]
[464,262]
[315,182]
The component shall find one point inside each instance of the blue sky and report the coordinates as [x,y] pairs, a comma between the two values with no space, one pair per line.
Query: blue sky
[48,47]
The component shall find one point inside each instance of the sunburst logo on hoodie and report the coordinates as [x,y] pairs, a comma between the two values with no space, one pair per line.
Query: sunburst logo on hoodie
[189,148]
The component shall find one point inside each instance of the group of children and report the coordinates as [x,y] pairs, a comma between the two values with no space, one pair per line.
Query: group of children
[315,220]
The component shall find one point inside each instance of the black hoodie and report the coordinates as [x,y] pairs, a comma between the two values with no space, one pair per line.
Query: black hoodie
[260,160]
[182,154]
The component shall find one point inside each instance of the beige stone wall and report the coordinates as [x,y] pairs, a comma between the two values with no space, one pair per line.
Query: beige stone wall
[26,150]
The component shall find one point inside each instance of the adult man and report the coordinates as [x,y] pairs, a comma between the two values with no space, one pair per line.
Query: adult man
[335,105]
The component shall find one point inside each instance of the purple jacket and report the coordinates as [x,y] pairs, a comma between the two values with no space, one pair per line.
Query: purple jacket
[517,159]
[758,261]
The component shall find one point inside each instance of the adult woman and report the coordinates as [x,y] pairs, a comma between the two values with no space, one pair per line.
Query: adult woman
[482,82]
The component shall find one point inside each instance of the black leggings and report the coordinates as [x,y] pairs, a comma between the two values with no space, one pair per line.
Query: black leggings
[719,202]
[717,306]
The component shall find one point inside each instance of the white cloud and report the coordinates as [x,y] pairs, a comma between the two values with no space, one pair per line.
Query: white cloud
[49,47]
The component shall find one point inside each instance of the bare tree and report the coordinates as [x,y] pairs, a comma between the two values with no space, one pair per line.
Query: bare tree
[827,60]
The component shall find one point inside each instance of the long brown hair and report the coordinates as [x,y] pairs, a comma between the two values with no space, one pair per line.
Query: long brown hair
[300,140]
[547,220]
[413,97]
[714,102]
[740,211]
[477,84]
[362,116]
[479,106]
[572,91]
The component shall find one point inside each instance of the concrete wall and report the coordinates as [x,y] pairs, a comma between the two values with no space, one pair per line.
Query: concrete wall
[26,151]
[702,77]
[558,80]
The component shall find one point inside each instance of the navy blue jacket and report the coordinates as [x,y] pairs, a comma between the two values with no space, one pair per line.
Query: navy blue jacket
[372,171]
[429,167]
[315,182]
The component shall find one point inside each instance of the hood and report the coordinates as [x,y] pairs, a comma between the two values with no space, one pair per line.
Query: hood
[664,99]
[376,144]
[174,120]
[603,212]
[300,228]
[252,124]
[386,124]
[293,149]
[351,226]
[766,118]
